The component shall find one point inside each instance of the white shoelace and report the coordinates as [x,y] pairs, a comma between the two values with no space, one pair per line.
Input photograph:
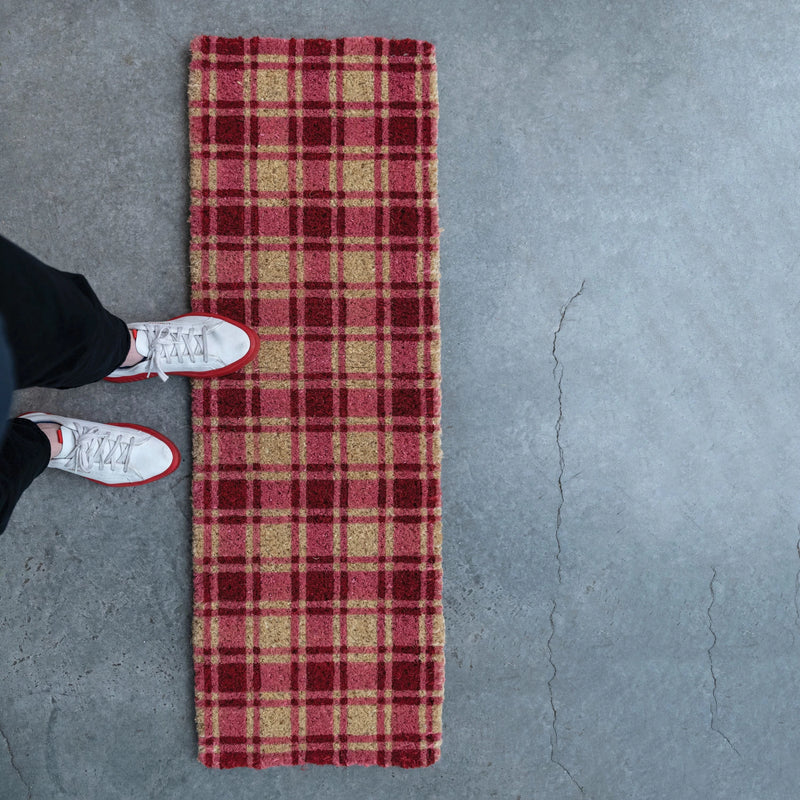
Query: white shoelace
[168,344]
[97,449]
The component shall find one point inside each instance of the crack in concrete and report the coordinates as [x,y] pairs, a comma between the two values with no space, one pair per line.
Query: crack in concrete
[14,764]
[558,375]
[51,759]
[714,707]
[554,729]
[797,591]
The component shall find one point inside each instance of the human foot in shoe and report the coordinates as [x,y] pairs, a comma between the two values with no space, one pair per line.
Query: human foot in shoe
[53,433]
[195,345]
[113,454]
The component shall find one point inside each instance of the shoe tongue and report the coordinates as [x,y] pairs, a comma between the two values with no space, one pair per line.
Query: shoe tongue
[68,439]
[141,343]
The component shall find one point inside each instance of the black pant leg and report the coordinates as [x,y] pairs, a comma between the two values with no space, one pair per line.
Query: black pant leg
[60,334]
[6,378]
[23,456]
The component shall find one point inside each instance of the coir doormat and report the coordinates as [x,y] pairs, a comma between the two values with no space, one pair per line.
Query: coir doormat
[318,630]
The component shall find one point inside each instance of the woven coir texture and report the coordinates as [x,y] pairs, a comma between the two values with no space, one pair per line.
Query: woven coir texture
[318,631]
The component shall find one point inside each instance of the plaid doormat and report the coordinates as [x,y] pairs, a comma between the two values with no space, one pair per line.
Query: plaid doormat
[318,629]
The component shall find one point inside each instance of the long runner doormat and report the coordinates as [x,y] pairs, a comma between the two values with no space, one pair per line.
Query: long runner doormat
[318,628]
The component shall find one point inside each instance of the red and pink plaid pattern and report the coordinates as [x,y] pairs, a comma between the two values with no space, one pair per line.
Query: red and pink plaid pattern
[318,629]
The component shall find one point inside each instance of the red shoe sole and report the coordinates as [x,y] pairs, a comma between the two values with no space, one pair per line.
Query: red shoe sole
[249,356]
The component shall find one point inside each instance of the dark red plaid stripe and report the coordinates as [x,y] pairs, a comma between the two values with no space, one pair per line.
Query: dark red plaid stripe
[318,631]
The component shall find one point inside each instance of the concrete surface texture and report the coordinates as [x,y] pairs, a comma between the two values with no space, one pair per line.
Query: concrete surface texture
[619,195]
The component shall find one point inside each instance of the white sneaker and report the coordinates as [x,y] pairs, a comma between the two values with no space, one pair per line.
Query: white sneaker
[113,454]
[195,345]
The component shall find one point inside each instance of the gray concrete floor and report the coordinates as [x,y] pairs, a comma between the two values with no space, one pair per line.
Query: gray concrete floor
[621,478]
